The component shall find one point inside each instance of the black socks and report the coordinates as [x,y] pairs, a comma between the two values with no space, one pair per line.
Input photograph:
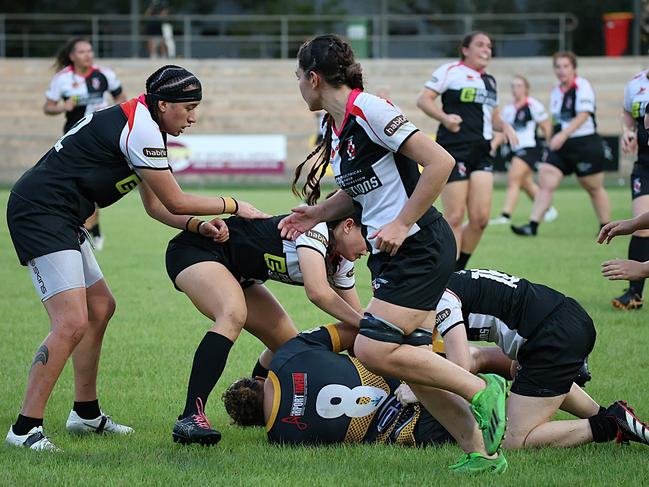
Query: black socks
[639,251]
[87,409]
[94,231]
[506,215]
[534,226]
[25,423]
[209,362]
[603,428]
[462,261]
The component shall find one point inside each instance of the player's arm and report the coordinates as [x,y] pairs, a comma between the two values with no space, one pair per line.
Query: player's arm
[216,229]
[350,296]
[456,347]
[629,136]
[546,128]
[52,107]
[316,286]
[501,126]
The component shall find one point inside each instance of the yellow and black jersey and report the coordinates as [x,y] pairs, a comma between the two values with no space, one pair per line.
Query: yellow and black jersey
[323,397]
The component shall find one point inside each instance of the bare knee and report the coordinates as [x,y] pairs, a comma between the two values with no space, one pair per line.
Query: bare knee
[72,327]
[479,221]
[102,312]
[513,441]
[454,218]
[232,316]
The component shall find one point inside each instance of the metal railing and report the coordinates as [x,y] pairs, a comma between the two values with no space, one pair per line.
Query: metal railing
[279,36]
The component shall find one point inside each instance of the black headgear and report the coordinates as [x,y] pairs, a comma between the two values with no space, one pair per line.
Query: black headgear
[174,84]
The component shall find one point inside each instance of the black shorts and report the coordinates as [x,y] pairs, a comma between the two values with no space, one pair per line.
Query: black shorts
[530,155]
[35,231]
[417,275]
[470,157]
[639,181]
[581,155]
[428,431]
[187,249]
[551,358]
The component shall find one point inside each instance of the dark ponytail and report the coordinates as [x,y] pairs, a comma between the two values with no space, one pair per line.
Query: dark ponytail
[333,59]
[62,58]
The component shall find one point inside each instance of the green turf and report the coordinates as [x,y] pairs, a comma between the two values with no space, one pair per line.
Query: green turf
[151,341]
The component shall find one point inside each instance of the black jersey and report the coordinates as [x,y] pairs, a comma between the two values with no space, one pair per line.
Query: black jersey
[520,304]
[90,91]
[367,164]
[95,162]
[636,101]
[468,93]
[255,252]
[323,397]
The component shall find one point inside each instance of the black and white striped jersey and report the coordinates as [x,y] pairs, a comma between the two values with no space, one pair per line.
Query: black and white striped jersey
[565,105]
[525,119]
[90,91]
[517,303]
[636,101]
[367,164]
[468,93]
[96,161]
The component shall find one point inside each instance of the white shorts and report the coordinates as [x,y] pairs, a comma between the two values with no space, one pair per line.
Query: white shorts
[67,269]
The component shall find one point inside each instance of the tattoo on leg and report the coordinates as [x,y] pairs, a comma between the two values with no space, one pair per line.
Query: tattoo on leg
[41,356]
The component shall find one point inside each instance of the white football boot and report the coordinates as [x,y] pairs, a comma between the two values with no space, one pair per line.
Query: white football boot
[101,424]
[35,439]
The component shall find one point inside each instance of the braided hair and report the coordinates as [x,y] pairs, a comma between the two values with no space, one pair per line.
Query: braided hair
[333,59]
[174,84]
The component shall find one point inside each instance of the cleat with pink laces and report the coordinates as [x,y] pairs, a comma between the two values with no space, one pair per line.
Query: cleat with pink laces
[629,426]
[195,428]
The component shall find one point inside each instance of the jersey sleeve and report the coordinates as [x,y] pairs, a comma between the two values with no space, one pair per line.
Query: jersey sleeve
[54,91]
[449,313]
[344,277]
[145,148]
[385,124]
[585,99]
[317,239]
[326,336]
[628,97]
[114,84]
[438,81]
[538,111]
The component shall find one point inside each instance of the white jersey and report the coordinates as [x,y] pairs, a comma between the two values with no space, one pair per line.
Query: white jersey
[636,100]
[565,105]
[479,327]
[91,92]
[366,163]
[525,119]
[468,93]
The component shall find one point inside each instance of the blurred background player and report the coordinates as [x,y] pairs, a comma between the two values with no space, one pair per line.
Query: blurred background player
[525,114]
[79,88]
[467,116]
[575,146]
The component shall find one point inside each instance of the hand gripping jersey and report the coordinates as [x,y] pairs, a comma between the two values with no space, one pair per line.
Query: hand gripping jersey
[525,119]
[90,91]
[565,105]
[366,163]
[95,162]
[468,93]
[258,253]
[636,100]
[322,397]
[495,307]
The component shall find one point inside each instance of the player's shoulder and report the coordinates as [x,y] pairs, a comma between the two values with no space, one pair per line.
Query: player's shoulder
[534,103]
[640,78]
[582,83]
[103,69]
[451,66]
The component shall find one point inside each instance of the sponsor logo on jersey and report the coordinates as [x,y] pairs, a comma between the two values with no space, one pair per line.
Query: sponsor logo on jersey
[637,186]
[301,425]
[127,184]
[388,414]
[350,272]
[317,236]
[351,149]
[359,182]
[96,83]
[334,150]
[275,263]
[394,124]
[636,109]
[378,282]
[155,152]
[478,95]
[442,315]
[298,404]
[434,79]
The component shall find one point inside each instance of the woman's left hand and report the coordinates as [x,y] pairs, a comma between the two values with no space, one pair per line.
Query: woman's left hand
[557,141]
[390,237]
[405,395]
[216,229]
[624,270]
[510,135]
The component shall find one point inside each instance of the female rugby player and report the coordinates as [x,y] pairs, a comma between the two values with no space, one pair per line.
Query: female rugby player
[103,157]
[372,149]
[575,146]
[225,283]
[468,113]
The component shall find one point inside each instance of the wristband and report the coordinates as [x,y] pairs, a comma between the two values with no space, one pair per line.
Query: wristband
[187,222]
[193,224]
[198,228]
[230,205]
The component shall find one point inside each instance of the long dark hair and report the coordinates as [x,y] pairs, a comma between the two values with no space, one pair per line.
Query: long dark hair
[468,39]
[333,59]
[62,58]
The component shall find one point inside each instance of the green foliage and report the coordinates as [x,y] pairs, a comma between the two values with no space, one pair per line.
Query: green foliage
[149,346]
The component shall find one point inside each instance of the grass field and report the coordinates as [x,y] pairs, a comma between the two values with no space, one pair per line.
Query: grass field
[151,340]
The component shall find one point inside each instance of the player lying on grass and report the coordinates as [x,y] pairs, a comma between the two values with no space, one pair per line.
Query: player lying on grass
[315,395]
[225,283]
[549,335]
